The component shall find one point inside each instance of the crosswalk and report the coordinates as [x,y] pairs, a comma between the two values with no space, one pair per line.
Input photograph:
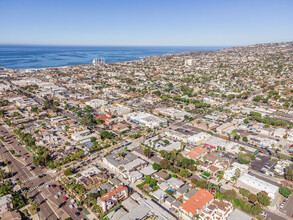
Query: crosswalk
[32,178]
[36,187]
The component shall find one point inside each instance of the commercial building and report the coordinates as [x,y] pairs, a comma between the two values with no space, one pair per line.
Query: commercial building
[171,112]
[96,103]
[190,62]
[256,185]
[146,119]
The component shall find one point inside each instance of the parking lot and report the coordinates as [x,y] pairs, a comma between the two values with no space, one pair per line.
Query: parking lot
[261,163]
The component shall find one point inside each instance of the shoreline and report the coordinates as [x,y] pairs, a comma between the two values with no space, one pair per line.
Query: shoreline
[140,56]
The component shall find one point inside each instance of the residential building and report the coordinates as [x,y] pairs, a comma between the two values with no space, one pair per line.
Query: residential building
[110,199]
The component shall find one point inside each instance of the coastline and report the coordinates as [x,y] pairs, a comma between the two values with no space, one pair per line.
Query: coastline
[25,57]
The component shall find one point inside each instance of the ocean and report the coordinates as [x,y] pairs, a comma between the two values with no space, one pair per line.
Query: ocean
[29,57]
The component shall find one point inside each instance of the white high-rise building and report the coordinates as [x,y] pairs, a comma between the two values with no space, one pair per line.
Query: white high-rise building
[189,62]
[98,61]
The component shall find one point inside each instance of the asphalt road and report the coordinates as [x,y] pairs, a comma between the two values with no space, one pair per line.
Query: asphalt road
[35,185]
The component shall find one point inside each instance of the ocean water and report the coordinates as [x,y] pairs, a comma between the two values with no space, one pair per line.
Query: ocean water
[27,57]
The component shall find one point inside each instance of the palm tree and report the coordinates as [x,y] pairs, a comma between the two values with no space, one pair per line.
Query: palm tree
[35,206]
[197,216]
[2,175]
[10,166]
[24,193]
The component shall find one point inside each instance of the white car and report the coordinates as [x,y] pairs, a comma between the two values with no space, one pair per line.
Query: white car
[72,201]
[56,196]
[71,206]
[47,186]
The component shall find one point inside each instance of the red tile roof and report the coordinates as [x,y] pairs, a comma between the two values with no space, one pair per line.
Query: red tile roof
[113,192]
[197,201]
[196,152]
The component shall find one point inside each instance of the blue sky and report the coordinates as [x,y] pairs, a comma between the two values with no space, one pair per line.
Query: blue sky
[146,22]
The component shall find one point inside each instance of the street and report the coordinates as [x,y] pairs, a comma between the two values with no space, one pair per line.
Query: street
[33,183]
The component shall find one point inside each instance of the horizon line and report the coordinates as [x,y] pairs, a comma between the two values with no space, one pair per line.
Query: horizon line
[78,45]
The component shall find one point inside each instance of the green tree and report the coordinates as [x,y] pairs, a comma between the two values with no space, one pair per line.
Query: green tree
[245,139]
[252,197]
[156,166]
[244,192]
[3,174]
[165,163]
[147,152]
[289,173]
[229,195]
[201,184]
[35,206]
[106,135]
[285,191]
[88,120]
[256,209]
[263,199]
[68,172]
[184,173]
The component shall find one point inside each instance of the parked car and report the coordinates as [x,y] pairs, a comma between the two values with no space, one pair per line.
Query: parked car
[64,197]
[56,196]
[77,213]
[47,186]
[71,206]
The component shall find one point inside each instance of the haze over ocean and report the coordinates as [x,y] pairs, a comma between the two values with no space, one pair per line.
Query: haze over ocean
[26,57]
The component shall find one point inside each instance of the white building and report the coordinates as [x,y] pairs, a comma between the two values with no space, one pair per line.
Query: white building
[98,61]
[256,185]
[228,174]
[95,103]
[198,138]
[171,112]
[146,119]
[83,135]
[189,62]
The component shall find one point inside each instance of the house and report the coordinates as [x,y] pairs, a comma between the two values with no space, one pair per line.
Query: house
[5,204]
[237,214]
[218,209]
[116,214]
[280,132]
[161,176]
[196,153]
[147,171]
[199,201]
[229,173]
[130,204]
[147,208]
[189,194]
[175,183]
[159,194]
[111,198]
